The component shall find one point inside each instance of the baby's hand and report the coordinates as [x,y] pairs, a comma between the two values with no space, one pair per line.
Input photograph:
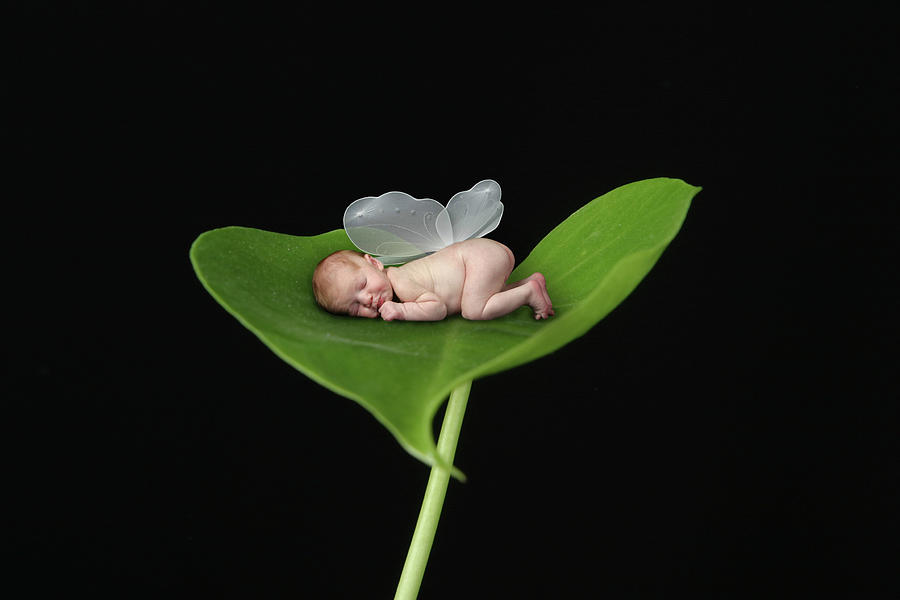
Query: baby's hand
[390,311]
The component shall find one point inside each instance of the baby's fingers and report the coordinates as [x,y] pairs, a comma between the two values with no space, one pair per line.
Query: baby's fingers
[387,311]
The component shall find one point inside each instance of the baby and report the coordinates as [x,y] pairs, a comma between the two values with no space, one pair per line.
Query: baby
[467,277]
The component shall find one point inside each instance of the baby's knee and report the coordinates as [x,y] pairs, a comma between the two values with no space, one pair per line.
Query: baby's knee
[472,311]
[470,314]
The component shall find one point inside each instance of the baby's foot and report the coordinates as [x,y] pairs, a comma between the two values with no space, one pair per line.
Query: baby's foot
[540,304]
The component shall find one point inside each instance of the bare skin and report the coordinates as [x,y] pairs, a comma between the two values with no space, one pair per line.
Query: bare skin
[465,278]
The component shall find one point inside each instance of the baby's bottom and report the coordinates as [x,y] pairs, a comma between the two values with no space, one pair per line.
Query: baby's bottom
[486,296]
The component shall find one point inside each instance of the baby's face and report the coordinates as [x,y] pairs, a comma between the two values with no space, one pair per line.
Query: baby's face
[365,289]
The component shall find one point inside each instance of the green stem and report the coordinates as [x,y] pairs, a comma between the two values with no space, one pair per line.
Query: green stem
[430,513]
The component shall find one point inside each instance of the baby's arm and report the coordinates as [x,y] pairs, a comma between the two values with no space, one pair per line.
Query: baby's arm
[427,307]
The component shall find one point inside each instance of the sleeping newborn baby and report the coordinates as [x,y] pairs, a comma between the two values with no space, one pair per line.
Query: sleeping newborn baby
[466,277]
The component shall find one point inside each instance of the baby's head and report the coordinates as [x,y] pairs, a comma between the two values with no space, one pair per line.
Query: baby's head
[351,283]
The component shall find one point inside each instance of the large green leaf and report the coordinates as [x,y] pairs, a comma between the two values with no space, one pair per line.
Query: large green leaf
[402,371]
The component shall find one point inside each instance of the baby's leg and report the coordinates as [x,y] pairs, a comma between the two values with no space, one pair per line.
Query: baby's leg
[542,287]
[486,297]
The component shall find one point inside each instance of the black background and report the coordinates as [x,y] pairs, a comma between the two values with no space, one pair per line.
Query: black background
[729,430]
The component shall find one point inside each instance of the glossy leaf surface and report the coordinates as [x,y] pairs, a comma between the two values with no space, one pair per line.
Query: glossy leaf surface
[401,372]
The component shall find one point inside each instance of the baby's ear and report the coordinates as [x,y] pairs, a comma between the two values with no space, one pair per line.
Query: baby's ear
[374,262]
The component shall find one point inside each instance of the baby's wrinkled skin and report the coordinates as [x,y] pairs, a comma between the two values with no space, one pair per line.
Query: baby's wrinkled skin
[467,278]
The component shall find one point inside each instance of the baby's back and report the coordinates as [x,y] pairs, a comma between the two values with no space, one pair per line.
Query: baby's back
[444,272]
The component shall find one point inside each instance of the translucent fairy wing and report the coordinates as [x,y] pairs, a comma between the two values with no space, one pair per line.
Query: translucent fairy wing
[472,214]
[395,227]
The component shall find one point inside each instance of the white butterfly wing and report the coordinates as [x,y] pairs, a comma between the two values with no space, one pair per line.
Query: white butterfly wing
[472,214]
[395,227]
